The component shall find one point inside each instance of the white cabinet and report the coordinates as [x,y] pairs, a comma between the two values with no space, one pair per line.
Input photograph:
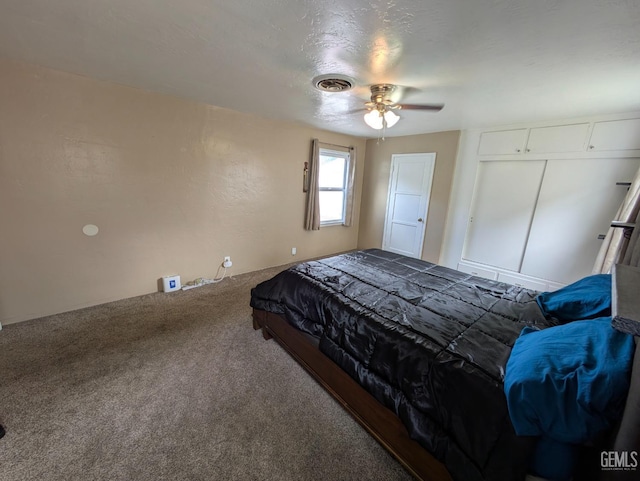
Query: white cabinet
[532,200]
[558,139]
[542,219]
[553,139]
[502,209]
[477,271]
[577,201]
[502,142]
[521,281]
[513,278]
[543,199]
[615,135]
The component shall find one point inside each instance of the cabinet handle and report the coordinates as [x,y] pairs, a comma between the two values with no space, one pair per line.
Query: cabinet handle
[625,184]
[528,150]
[517,150]
[601,236]
[592,147]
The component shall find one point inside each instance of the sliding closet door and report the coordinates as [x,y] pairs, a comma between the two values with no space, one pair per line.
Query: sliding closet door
[501,213]
[578,200]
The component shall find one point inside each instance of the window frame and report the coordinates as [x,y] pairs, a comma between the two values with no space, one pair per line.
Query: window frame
[346,155]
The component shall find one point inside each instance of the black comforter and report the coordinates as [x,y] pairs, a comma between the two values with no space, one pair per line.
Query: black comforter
[428,342]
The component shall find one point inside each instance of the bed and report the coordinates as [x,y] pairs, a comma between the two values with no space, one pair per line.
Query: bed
[415,351]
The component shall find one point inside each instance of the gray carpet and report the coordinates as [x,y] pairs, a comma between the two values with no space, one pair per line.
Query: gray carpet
[171,386]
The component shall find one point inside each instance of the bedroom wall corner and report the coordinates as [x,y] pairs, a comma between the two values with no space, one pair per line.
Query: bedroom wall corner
[376,183]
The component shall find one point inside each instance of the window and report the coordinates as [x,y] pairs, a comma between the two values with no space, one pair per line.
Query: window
[332,186]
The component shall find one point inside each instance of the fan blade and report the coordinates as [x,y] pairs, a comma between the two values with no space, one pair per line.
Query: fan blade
[433,107]
[356,111]
[404,91]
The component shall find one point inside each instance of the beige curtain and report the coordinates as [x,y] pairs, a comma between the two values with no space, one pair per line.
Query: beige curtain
[312,214]
[621,246]
[351,181]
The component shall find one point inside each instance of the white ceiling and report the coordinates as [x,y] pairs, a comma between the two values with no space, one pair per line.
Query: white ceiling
[490,61]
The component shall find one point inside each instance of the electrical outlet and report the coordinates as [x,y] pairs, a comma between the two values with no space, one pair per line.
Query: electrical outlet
[227,262]
[294,251]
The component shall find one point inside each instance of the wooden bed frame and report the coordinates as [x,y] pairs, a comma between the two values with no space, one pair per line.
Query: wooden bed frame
[381,422]
[387,428]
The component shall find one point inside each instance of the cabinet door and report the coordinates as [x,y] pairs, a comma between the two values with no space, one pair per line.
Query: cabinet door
[615,135]
[561,138]
[577,202]
[501,212]
[502,142]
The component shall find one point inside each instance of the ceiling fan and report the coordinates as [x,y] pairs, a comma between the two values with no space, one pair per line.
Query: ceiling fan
[381,108]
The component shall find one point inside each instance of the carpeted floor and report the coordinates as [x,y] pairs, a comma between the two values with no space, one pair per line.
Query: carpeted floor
[174,386]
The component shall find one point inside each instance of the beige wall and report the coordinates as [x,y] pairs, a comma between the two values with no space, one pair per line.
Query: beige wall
[172,185]
[376,184]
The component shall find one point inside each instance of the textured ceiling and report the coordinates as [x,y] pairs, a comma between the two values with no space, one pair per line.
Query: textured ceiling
[489,61]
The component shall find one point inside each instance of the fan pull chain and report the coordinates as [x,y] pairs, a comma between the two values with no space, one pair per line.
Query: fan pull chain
[384,127]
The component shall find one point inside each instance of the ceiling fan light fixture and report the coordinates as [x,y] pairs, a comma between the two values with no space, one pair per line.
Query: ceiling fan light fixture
[391,118]
[373,119]
[377,119]
[381,107]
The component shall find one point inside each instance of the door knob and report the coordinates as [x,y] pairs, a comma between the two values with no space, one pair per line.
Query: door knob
[420,219]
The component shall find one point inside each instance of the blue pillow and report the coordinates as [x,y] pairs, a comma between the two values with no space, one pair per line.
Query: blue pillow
[587,298]
[568,382]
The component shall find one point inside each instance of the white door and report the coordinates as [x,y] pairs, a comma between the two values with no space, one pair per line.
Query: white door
[408,203]
[577,202]
[503,205]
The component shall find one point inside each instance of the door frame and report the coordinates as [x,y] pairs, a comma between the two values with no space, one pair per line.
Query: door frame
[430,158]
